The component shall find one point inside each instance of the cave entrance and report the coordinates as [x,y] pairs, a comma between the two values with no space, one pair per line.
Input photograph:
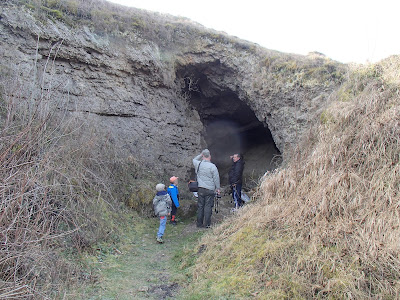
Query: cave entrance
[230,126]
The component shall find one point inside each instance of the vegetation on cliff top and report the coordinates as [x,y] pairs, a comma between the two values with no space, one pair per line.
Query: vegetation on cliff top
[108,18]
[326,225]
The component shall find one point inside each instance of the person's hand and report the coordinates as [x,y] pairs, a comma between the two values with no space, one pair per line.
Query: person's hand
[169,214]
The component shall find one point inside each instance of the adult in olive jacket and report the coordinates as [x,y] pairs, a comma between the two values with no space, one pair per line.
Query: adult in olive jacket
[209,185]
[236,178]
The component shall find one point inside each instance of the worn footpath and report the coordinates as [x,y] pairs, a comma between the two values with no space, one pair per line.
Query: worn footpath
[141,268]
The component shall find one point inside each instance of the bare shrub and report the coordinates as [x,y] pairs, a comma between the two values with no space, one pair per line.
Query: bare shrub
[56,193]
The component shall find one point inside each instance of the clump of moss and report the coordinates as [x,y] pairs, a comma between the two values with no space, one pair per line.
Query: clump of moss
[326,118]
[54,12]
[141,198]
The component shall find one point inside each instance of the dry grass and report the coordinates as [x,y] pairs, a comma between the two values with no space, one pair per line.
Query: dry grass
[107,18]
[56,195]
[327,225]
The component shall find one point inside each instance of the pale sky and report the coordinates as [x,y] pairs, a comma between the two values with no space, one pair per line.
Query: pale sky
[344,30]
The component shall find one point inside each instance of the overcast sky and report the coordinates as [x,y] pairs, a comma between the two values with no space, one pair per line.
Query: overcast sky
[344,30]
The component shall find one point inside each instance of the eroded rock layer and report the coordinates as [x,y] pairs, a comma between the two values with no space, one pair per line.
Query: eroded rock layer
[162,98]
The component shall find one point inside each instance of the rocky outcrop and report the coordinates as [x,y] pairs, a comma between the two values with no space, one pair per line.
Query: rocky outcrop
[153,98]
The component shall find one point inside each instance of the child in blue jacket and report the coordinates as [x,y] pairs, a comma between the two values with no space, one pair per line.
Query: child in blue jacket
[174,193]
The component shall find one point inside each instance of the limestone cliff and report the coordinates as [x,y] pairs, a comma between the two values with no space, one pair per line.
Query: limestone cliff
[156,92]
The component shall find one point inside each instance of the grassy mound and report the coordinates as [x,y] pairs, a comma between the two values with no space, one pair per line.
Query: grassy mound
[326,225]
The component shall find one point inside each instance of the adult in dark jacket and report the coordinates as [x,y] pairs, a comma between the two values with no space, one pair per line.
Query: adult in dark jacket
[236,178]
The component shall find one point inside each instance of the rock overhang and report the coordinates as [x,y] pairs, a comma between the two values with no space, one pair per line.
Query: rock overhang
[128,93]
[230,125]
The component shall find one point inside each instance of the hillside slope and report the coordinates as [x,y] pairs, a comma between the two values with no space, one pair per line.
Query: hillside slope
[326,225]
[97,104]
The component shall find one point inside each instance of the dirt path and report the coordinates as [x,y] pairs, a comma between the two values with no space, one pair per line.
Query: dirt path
[140,268]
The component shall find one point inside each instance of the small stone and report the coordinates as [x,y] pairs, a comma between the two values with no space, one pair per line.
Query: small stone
[143,289]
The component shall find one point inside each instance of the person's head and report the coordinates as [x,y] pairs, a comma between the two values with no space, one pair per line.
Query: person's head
[236,157]
[206,154]
[160,187]
[174,180]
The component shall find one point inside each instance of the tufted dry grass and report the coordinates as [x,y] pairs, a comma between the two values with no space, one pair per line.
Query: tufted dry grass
[326,225]
[56,196]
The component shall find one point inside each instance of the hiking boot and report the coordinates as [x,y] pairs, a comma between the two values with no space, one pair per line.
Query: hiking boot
[173,222]
[160,240]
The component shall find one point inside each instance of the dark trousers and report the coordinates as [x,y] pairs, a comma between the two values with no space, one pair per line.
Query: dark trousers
[237,195]
[205,204]
[173,211]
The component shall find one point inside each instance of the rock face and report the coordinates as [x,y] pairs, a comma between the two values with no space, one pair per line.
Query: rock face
[161,100]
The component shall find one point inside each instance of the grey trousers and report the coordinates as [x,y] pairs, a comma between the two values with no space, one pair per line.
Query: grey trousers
[205,204]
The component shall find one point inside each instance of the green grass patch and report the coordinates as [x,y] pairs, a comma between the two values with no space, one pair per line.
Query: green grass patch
[137,264]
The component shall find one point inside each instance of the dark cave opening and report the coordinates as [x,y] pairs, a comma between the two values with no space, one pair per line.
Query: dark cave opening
[230,127]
